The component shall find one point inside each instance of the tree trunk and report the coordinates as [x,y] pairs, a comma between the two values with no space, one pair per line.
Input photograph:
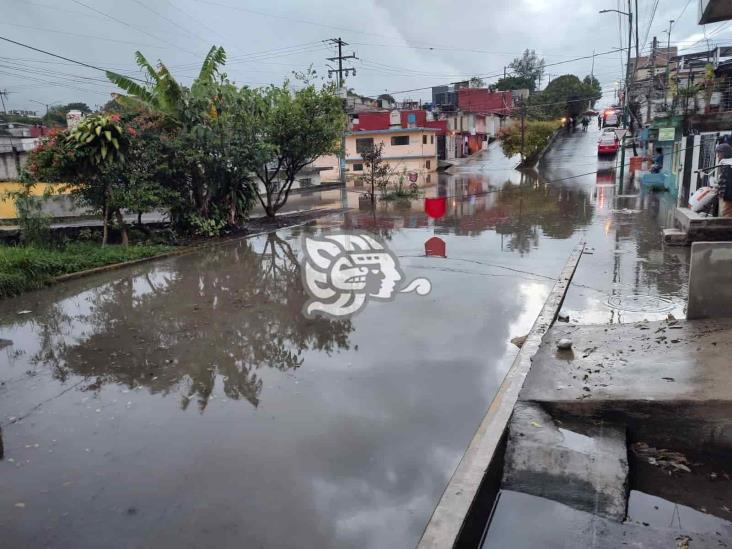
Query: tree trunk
[105,225]
[139,218]
[122,227]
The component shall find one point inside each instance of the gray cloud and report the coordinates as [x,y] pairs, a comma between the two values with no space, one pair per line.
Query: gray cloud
[401,46]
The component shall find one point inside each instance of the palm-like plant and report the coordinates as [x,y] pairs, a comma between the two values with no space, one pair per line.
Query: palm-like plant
[163,93]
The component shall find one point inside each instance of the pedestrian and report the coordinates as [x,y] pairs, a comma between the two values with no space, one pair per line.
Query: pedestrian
[599,121]
[585,123]
[724,178]
[657,161]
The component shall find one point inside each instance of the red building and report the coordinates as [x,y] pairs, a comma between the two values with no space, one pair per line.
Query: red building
[484,101]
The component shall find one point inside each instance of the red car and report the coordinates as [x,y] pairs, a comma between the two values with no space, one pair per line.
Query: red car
[608,144]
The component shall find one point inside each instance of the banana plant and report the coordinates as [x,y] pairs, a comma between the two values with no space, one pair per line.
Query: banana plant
[163,93]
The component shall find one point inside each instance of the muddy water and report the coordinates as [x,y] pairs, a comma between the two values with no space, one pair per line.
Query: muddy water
[188,402]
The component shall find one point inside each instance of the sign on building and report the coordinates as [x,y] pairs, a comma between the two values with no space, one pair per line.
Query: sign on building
[666,134]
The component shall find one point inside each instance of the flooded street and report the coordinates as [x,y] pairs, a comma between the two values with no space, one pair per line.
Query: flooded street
[187,402]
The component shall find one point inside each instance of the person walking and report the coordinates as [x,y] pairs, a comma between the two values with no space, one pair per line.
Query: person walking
[724,178]
[585,123]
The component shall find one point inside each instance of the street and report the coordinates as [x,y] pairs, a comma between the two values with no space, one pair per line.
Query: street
[187,402]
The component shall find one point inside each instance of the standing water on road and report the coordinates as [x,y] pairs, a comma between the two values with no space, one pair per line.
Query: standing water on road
[188,401]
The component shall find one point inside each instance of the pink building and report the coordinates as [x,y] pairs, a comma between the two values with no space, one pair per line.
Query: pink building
[405,150]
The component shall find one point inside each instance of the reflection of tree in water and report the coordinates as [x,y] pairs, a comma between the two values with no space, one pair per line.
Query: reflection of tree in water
[557,209]
[223,314]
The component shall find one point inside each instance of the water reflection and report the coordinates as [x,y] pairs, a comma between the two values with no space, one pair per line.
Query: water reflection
[220,320]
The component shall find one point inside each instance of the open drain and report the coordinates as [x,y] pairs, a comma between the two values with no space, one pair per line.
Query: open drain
[640,303]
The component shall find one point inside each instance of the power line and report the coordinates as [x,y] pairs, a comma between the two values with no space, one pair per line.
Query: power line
[64,58]
[128,25]
[171,21]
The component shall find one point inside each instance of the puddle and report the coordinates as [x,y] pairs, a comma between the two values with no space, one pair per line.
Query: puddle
[576,441]
[640,303]
[655,511]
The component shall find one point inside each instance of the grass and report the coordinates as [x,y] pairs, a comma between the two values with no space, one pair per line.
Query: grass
[28,268]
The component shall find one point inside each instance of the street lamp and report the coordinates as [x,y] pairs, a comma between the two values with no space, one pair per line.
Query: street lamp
[629,14]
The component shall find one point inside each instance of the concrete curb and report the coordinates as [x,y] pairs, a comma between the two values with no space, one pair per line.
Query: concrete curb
[532,162]
[463,510]
[182,251]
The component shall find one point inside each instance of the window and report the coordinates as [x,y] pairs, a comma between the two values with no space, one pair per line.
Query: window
[358,167]
[424,140]
[427,164]
[306,182]
[400,140]
[364,144]
[432,139]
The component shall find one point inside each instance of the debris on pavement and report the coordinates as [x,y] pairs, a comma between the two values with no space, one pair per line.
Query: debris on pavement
[668,460]
[564,344]
[519,341]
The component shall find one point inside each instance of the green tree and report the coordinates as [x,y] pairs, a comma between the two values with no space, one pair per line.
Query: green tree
[536,136]
[293,128]
[565,95]
[377,171]
[529,67]
[477,82]
[509,83]
[593,89]
[101,143]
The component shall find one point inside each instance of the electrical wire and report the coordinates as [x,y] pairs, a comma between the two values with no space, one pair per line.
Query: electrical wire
[63,57]
[128,25]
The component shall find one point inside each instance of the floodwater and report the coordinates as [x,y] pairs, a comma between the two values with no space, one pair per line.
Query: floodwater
[187,402]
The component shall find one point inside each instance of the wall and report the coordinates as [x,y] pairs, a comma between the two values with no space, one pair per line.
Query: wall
[415,148]
[481,100]
[9,164]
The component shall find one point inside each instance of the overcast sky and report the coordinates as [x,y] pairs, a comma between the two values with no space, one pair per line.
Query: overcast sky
[401,45]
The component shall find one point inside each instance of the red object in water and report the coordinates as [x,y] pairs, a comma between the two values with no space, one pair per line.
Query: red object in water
[435,207]
[435,246]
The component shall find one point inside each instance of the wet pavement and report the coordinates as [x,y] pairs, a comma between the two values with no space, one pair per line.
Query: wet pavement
[187,402]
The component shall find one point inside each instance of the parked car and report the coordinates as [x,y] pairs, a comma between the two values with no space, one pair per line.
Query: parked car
[607,144]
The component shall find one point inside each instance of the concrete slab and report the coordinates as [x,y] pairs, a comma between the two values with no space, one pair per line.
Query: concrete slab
[522,521]
[710,280]
[667,380]
[700,228]
[582,465]
[674,237]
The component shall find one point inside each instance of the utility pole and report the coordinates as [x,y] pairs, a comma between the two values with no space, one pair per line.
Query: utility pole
[668,64]
[637,41]
[627,68]
[652,83]
[626,110]
[340,71]
[592,72]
